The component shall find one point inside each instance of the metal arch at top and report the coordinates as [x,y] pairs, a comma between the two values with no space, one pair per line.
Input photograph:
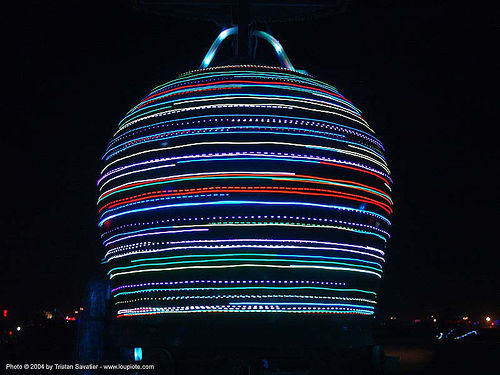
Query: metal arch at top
[216,45]
[280,52]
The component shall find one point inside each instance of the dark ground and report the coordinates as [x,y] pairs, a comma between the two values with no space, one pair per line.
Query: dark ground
[408,350]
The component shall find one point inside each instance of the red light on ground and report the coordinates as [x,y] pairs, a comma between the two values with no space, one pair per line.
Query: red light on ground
[5,313]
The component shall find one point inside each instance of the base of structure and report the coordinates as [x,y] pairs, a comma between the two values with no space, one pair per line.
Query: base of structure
[260,344]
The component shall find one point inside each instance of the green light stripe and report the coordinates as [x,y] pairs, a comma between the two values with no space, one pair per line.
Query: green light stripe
[280,287]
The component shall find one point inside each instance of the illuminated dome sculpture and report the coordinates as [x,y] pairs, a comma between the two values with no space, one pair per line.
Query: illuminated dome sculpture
[244,189]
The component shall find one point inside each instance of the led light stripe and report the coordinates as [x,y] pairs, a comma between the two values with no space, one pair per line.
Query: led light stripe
[257,220]
[266,217]
[136,171]
[242,309]
[301,304]
[251,158]
[267,240]
[269,155]
[232,203]
[337,103]
[280,257]
[137,248]
[156,233]
[233,159]
[109,257]
[347,131]
[249,219]
[253,224]
[129,185]
[230,100]
[238,84]
[262,261]
[241,82]
[465,335]
[166,111]
[280,283]
[322,160]
[243,296]
[280,287]
[243,265]
[238,129]
[220,192]
[205,76]
[269,72]
[283,176]
[218,189]
[261,129]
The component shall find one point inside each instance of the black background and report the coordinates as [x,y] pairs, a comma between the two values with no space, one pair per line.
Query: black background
[423,74]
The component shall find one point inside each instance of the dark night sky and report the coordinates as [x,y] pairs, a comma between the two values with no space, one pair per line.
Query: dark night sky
[422,74]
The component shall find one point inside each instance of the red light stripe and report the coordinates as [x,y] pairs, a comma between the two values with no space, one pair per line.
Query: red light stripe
[331,193]
[250,82]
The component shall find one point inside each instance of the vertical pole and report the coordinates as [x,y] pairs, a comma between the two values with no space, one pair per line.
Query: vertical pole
[243,21]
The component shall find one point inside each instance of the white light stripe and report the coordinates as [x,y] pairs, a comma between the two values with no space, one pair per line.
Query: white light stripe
[258,296]
[244,265]
[219,241]
[216,106]
[244,143]
[105,243]
[176,248]
[320,103]
[137,171]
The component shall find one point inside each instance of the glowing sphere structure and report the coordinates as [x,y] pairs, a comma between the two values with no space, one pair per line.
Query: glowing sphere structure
[244,189]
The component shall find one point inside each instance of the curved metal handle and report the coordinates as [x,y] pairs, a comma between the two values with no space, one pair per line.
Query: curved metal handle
[280,52]
[216,44]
